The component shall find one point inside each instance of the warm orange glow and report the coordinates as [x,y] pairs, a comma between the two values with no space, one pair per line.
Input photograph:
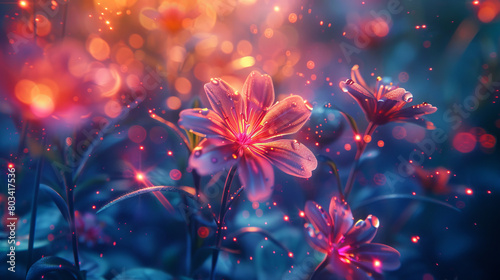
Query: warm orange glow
[286,218]
[11,165]
[98,48]
[183,85]
[469,191]
[139,176]
[42,105]
[23,4]
[302,214]
[347,147]
[377,263]
[357,137]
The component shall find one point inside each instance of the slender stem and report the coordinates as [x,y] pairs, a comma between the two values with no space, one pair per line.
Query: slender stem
[361,148]
[31,240]
[319,268]
[71,207]
[220,222]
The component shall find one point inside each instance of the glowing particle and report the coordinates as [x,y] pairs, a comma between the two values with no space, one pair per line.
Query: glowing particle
[292,17]
[203,232]
[347,147]
[415,239]
[276,8]
[310,64]
[380,143]
[170,153]
[464,142]
[475,2]
[302,214]
[141,148]
[286,218]
[11,165]
[93,206]
[469,191]
[290,254]
[367,138]
[23,4]
[139,176]
[357,137]
[50,237]
[377,263]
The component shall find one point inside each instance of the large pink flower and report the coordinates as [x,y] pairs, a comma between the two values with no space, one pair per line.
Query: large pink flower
[245,129]
[384,103]
[351,255]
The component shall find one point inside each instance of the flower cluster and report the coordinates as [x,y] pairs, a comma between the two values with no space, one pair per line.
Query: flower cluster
[350,253]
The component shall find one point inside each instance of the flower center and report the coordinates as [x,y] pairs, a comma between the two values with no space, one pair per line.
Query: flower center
[244,139]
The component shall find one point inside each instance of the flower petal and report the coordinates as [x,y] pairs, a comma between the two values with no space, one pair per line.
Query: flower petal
[376,257]
[212,155]
[285,117]
[318,217]
[362,231]
[341,215]
[290,156]
[365,99]
[226,102]
[203,122]
[356,77]
[415,111]
[317,239]
[257,176]
[399,94]
[258,92]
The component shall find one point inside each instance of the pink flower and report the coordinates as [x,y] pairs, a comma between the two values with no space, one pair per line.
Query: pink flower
[384,103]
[245,129]
[350,254]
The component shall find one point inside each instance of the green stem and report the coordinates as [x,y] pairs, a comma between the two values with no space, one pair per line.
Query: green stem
[361,148]
[220,222]
[31,239]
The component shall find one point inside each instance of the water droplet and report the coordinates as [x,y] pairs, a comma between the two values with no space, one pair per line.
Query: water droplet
[408,97]
[214,81]
[294,104]
[295,144]
[360,223]
[349,82]
[204,112]
[197,153]
[308,105]
[425,103]
[214,160]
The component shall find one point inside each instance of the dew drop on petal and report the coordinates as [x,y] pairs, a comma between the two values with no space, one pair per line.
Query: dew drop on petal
[308,105]
[349,82]
[214,81]
[204,112]
[197,153]
[295,144]
[408,97]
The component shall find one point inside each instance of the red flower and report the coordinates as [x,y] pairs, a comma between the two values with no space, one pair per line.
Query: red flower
[384,103]
[243,128]
[350,253]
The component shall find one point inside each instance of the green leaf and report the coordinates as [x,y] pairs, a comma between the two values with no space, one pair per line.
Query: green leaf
[58,200]
[53,266]
[257,230]
[188,191]
[351,122]
[328,161]
[405,196]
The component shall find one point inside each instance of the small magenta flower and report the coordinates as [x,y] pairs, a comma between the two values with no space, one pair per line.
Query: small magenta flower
[245,129]
[350,255]
[384,103]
